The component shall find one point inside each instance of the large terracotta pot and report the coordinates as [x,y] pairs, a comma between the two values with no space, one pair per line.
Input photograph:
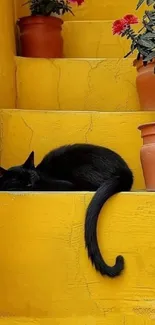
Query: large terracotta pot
[40,37]
[147,154]
[145,83]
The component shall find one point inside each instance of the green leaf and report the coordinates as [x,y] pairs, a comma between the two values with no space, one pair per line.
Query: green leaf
[142,51]
[139,4]
[149,35]
[150,57]
[49,8]
[147,14]
[125,56]
[147,44]
[150,2]
[148,28]
[133,47]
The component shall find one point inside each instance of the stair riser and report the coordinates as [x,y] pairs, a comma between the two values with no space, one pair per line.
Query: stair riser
[74,84]
[94,39]
[45,271]
[24,131]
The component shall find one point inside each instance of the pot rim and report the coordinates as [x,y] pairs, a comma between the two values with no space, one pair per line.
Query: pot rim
[24,19]
[142,126]
[139,63]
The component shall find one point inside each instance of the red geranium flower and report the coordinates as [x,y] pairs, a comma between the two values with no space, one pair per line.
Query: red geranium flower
[119,26]
[131,19]
[79,2]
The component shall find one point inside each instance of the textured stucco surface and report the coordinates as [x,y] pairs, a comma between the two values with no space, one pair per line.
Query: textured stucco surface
[93,39]
[76,84]
[44,266]
[46,278]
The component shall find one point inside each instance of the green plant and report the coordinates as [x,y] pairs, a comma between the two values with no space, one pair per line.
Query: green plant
[148,2]
[47,7]
[143,41]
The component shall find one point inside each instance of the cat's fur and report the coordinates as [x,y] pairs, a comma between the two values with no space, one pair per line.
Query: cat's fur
[78,167]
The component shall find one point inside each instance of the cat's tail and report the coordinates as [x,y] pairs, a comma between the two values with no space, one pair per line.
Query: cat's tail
[105,191]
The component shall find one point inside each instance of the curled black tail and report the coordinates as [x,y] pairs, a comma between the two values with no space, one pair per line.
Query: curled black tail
[105,191]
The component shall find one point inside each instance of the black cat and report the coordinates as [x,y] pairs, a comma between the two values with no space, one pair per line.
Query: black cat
[78,167]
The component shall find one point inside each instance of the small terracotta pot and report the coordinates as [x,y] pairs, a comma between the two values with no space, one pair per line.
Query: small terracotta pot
[40,37]
[145,83]
[147,154]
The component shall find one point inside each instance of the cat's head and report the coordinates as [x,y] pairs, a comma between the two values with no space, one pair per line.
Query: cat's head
[19,178]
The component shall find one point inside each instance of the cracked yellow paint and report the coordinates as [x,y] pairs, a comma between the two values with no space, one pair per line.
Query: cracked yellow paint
[45,272]
[93,39]
[76,84]
[7,51]
[46,278]
[23,131]
[93,10]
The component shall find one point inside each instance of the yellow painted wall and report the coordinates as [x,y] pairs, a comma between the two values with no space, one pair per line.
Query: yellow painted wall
[93,39]
[76,84]
[45,272]
[7,52]
[24,131]
[89,38]
[93,10]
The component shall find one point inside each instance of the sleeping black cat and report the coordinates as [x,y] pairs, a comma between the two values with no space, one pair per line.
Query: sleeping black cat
[78,167]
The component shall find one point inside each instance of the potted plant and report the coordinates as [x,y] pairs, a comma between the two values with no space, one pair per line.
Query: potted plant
[40,33]
[144,43]
[147,154]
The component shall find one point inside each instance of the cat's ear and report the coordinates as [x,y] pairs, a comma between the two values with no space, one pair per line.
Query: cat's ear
[29,163]
[2,171]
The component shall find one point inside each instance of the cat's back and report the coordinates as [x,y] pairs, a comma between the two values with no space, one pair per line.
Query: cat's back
[79,163]
[78,154]
[78,150]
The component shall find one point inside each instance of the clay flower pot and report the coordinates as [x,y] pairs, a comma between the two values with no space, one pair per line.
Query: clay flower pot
[147,154]
[145,83]
[40,37]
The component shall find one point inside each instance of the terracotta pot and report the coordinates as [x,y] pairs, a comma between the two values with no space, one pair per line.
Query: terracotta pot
[147,154]
[40,37]
[145,83]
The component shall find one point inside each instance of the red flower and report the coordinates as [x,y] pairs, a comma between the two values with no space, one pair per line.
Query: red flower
[131,19]
[119,26]
[79,2]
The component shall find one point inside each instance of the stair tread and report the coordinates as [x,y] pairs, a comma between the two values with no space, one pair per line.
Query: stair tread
[79,320]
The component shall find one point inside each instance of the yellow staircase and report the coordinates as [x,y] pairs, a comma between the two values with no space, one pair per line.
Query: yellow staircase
[45,275]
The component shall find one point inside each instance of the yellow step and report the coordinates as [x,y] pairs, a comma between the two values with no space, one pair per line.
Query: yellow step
[93,39]
[76,84]
[46,275]
[93,10]
[23,131]
[84,320]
